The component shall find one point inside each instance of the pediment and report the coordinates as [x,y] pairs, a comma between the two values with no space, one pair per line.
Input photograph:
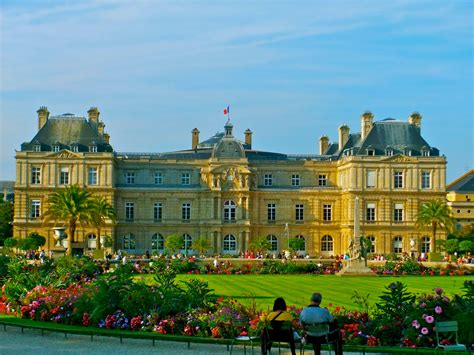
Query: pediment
[400,158]
[65,154]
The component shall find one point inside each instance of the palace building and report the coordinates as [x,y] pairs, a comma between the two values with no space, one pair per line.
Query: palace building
[460,196]
[224,190]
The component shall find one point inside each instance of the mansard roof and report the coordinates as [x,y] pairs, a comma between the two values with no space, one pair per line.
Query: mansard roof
[68,130]
[463,184]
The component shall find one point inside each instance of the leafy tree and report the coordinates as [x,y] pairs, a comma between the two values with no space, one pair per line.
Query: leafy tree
[296,244]
[101,211]
[260,244]
[71,205]
[202,245]
[36,240]
[11,242]
[174,243]
[466,246]
[452,245]
[6,221]
[434,213]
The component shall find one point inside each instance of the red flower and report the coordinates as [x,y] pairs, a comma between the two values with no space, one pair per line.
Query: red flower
[216,333]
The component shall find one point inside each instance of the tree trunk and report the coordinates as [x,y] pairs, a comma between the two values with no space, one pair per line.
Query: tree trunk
[434,235]
[98,238]
[70,238]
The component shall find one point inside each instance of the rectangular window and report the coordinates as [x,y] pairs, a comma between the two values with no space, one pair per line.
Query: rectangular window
[63,176]
[92,176]
[370,178]
[93,149]
[425,180]
[37,148]
[185,179]
[130,178]
[157,211]
[56,148]
[75,148]
[327,213]
[370,212]
[158,177]
[268,180]
[398,212]
[35,211]
[299,212]
[271,212]
[186,211]
[129,211]
[398,180]
[35,176]
[295,180]
[322,180]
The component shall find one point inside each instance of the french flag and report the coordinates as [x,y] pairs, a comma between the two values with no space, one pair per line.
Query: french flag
[227,110]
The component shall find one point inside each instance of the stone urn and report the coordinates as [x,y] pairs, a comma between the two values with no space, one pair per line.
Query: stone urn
[59,235]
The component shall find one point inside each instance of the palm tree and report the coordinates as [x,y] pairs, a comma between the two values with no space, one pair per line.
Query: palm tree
[101,211]
[71,205]
[434,213]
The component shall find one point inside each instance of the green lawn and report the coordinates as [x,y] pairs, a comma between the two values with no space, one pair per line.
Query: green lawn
[296,289]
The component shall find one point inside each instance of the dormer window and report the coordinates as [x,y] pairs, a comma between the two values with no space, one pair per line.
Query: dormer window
[371,152]
[37,148]
[389,152]
[425,152]
[408,152]
[75,148]
[56,148]
[93,148]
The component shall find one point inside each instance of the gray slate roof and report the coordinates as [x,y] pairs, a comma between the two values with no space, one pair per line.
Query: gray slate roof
[465,184]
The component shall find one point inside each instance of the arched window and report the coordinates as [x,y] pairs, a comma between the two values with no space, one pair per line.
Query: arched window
[229,211]
[157,242]
[397,244]
[273,242]
[230,243]
[303,243]
[425,244]
[327,243]
[129,242]
[371,238]
[187,242]
[92,241]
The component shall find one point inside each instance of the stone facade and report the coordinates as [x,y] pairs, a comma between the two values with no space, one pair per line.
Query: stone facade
[461,200]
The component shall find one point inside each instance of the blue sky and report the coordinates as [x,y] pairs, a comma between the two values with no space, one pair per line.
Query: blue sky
[290,70]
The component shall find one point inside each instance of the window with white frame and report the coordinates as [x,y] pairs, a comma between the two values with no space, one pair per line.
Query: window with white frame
[129,211]
[425,244]
[129,242]
[398,212]
[93,149]
[185,179]
[75,148]
[92,176]
[370,212]
[327,213]
[92,241]
[295,180]
[186,211]
[371,239]
[398,245]
[157,242]
[425,180]
[370,178]
[158,178]
[398,180]
[56,148]
[273,242]
[268,180]
[130,177]
[187,242]
[271,212]
[35,176]
[35,209]
[37,148]
[389,152]
[230,243]
[299,212]
[64,176]
[157,211]
[327,243]
[322,180]
[425,152]
[229,211]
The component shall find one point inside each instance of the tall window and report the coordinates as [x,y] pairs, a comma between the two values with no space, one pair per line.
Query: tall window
[186,211]
[56,148]
[185,179]
[75,148]
[295,180]
[35,176]
[398,212]
[229,211]
[129,211]
[35,209]
[63,176]
[327,243]
[398,180]
[327,213]
[130,178]
[158,178]
[425,244]
[299,212]
[371,238]
[425,180]
[157,242]
[370,178]
[230,243]
[157,211]
[397,245]
[93,149]
[271,212]
[273,242]
[268,180]
[91,241]
[92,178]
[370,212]
[187,242]
[129,242]
[322,180]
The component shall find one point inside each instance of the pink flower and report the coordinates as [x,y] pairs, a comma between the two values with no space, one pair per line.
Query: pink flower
[438,290]
[423,305]
[429,319]
[438,310]
[415,324]
[424,331]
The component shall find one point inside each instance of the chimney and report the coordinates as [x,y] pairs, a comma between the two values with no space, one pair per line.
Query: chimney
[343,135]
[366,122]
[195,138]
[43,115]
[93,114]
[106,138]
[415,119]
[323,144]
[100,128]
[248,137]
